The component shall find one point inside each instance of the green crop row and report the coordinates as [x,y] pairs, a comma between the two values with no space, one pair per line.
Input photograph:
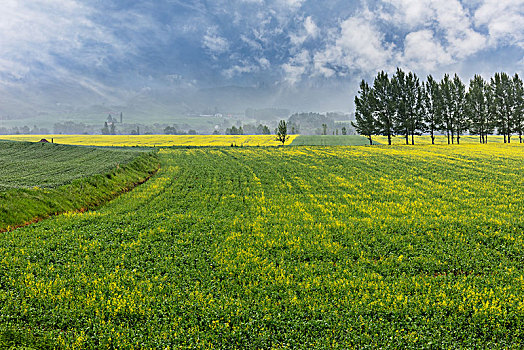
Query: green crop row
[38,180]
[28,165]
[299,247]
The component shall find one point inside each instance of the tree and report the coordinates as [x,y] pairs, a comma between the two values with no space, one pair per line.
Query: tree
[460,121]
[408,105]
[430,97]
[113,129]
[502,104]
[398,99]
[344,130]
[263,130]
[518,111]
[405,97]
[383,106]
[105,129]
[364,122]
[235,131]
[324,129]
[414,106]
[477,108]
[170,130]
[293,126]
[445,107]
[282,135]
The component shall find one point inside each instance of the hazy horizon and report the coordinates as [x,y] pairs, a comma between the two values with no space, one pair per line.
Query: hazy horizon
[71,59]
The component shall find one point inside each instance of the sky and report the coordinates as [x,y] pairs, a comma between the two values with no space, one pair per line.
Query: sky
[64,55]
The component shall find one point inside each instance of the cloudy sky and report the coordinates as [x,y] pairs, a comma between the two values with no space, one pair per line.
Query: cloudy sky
[90,51]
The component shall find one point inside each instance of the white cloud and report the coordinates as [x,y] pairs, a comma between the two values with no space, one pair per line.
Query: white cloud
[358,45]
[504,20]
[408,13]
[311,27]
[30,30]
[462,39]
[296,67]
[214,42]
[309,30]
[292,4]
[59,40]
[239,70]
[244,67]
[423,51]
[264,63]
[251,42]
[457,38]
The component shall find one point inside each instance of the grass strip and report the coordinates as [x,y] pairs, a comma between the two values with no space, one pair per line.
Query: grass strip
[22,206]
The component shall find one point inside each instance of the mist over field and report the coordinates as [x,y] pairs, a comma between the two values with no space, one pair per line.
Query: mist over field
[170,61]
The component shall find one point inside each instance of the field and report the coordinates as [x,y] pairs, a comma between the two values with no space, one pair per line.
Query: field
[235,140]
[441,139]
[294,247]
[38,179]
[155,140]
[25,165]
[330,140]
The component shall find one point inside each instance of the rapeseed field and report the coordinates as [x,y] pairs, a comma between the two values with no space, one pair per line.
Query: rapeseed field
[154,140]
[302,247]
[441,139]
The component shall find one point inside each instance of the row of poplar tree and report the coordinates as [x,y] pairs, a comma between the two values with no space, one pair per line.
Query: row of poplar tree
[404,106]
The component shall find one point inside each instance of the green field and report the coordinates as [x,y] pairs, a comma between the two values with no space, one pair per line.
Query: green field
[294,247]
[26,165]
[38,179]
[330,140]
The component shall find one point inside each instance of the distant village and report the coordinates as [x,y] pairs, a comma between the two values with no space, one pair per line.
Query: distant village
[210,121]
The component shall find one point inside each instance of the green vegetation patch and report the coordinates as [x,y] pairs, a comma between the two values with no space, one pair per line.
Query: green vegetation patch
[287,248]
[38,179]
[331,140]
[29,164]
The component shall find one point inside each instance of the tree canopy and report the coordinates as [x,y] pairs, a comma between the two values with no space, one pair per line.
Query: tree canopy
[403,105]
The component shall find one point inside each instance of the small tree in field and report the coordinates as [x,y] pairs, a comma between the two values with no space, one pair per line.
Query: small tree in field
[282,135]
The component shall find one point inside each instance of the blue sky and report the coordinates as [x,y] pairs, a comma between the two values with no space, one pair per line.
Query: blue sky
[90,52]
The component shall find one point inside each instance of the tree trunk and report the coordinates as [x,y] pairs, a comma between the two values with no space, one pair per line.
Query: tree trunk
[505,141]
[412,138]
[447,132]
[407,137]
[389,139]
[370,141]
[432,137]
